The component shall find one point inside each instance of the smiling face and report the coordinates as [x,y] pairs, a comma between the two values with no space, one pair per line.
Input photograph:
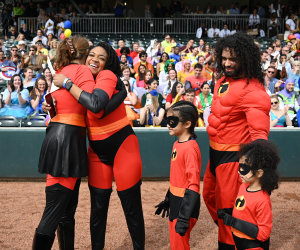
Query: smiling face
[230,63]
[142,69]
[47,74]
[290,86]
[179,87]
[187,66]
[274,103]
[126,74]
[41,85]
[264,57]
[17,82]
[28,74]
[172,74]
[123,58]
[164,57]
[148,76]
[96,60]
[201,60]
[189,97]
[249,177]
[270,72]
[153,85]
[205,89]
[201,41]
[121,44]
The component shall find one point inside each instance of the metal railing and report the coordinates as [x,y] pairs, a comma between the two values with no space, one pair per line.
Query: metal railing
[154,25]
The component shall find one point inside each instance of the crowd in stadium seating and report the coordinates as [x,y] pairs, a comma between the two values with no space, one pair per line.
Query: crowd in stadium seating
[155,76]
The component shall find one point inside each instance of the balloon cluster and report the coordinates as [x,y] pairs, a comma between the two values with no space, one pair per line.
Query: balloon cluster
[68,31]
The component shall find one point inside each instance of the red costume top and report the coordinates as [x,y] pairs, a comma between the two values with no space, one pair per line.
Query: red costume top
[239,114]
[194,83]
[134,54]
[256,208]
[69,111]
[99,129]
[184,174]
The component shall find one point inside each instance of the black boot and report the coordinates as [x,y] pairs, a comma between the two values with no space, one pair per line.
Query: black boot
[65,235]
[42,242]
[132,206]
[99,207]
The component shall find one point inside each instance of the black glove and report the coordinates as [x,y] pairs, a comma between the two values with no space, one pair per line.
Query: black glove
[228,220]
[222,212]
[187,207]
[164,205]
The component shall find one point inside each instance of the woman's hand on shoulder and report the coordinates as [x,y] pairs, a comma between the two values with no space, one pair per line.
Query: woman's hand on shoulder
[58,80]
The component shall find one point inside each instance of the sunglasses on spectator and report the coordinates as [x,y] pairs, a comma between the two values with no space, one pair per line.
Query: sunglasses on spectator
[32,50]
[183,54]
[39,43]
[285,50]
[271,72]
[143,56]
[167,37]
[14,50]
[274,103]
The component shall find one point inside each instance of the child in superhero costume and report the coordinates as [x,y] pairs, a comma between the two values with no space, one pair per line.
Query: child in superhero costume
[113,149]
[251,218]
[182,201]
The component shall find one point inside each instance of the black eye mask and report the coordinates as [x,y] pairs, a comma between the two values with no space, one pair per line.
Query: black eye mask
[173,121]
[246,169]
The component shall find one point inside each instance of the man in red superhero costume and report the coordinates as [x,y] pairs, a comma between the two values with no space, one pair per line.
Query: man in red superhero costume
[239,114]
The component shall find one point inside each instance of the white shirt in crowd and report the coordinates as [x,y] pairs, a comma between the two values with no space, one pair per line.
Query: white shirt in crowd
[253,20]
[287,66]
[233,32]
[44,40]
[168,90]
[49,26]
[199,32]
[61,25]
[291,23]
[224,33]
[213,32]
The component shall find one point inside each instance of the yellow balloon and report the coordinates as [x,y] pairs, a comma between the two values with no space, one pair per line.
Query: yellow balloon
[68,32]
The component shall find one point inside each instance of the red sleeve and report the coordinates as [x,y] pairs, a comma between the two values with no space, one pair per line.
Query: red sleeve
[264,220]
[191,160]
[169,98]
[256,106]
[107,81]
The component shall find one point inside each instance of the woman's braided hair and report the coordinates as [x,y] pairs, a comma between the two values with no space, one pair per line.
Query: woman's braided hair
[263,154]
[187,111]
[246,51]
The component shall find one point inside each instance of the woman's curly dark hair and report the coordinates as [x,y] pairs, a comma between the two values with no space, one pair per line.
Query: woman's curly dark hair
[262,154]
[247,52]
[113,62]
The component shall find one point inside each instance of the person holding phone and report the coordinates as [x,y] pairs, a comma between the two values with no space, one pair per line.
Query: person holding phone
[152,114]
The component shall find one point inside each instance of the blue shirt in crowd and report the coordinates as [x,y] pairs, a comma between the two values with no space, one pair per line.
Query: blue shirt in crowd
[6,63]
[233,11]
[272,84]
[175,57]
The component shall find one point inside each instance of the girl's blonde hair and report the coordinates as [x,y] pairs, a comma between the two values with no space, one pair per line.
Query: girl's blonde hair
[155,104]
[53,41]
[275,97]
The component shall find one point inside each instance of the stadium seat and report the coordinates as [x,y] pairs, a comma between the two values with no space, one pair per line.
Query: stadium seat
[34,121]
[9,121]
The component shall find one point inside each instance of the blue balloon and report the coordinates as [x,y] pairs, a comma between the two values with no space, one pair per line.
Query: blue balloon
[68,24]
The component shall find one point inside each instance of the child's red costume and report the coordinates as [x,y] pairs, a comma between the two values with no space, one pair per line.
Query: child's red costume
[183,197]
[239,114]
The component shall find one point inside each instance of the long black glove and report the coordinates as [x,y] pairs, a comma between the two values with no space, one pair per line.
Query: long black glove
[187,207]
[221,212]
[164,206]
[241,225]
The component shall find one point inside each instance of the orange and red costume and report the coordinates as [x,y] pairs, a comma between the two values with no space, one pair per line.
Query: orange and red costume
[239,114]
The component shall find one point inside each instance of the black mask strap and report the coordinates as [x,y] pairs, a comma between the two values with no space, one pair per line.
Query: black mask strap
[173,121]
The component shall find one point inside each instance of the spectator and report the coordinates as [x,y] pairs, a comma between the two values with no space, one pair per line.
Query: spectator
[237,7]
[28,81]
[154,51]
[225,31]
[186,71]
[25,31]
[126,76]
[14,57]
[166,42]
[176,94]
[288,98]
[51,8]
[33,60]
[263,58]
[41,51]
[195,81]
[148,13]
[50,37]
[152,114]
[254,19]
[175,56]
[221,11]
[129,102]
[126,51]
[186,9]
[60,26]
[140,76]
[91,11]
[270,82]
[161,65]
[278,117]
[178,65]
[39,9]
[201,45]
[163,76]
[152,85]
[118,9]
[135,51]
[121,44]
[168,85]
[53,50]
[189,47]
[20,37]
[170,48]
[40,37]
[193,56]
[197,10]
[202,31]
[12,34]
[232,9]
[15,99]
[160,11]
[18,10]
[277,45]
[215,77]
[260,31]
[236,29]
[206,51]
[48,76]
[294,74]
[283,67]
[4,62]
[208,9]
[37,97]
[260,11]
[91,43]
[148,76]
[22,52]
[49,26]
[213,32]
[41,20]
[270,51]
[201,60]
[209,70]
[143,60]
[290,26]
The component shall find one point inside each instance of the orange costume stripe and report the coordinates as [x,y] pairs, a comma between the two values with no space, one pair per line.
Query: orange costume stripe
[71,119]
[224,147]
[117,125]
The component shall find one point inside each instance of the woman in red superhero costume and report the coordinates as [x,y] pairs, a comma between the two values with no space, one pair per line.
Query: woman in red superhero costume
[239,114]
[113,151]
[183,196]
[251,218]
[64,155]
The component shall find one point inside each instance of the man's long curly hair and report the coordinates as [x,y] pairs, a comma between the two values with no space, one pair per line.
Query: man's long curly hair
[246,51]
[262,154]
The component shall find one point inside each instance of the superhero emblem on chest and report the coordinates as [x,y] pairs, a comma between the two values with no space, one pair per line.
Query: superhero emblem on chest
[223,89]
[240,203]
[174,154]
